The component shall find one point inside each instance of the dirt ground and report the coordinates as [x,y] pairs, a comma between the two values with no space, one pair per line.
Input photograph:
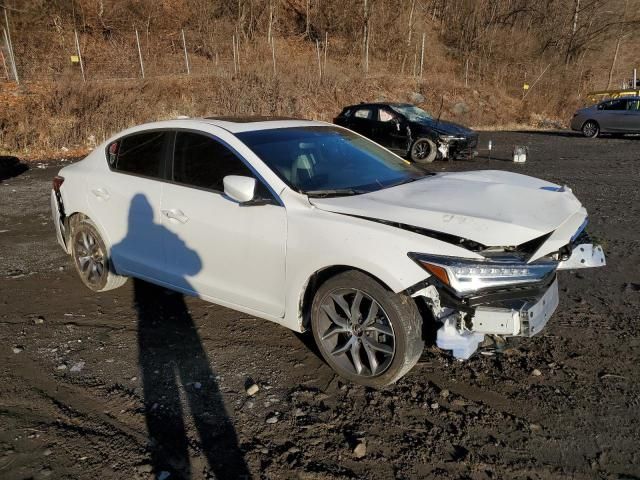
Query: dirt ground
[140,383]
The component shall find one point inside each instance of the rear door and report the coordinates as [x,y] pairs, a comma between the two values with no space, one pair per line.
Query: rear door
[125,202]
[632,119]
[216,247]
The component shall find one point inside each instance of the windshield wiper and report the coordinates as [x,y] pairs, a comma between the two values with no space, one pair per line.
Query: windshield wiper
[336,192]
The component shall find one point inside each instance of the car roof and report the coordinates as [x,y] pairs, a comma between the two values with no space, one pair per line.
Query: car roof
[380,104]
[231,124]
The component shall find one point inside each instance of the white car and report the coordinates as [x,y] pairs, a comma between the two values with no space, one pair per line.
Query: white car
[317,228]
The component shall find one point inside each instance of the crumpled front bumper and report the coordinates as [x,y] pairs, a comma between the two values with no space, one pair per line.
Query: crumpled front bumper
[511,316]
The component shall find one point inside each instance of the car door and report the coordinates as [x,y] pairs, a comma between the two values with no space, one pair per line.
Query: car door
[362,120]
[387,130]
[613,115]
[217,248]
[125,201]
[632,119]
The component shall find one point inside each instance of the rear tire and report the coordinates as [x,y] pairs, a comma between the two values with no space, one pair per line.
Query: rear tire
[365,332]
[590,129]
[423,151]
[91,258]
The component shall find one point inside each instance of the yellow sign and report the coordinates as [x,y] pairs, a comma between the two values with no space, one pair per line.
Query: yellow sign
[525,86]
[75,59]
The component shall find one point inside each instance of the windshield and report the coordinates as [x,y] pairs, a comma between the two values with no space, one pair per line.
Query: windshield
[323,161]
[413,113]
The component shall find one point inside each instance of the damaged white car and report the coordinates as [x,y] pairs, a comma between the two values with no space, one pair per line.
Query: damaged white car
[317,228]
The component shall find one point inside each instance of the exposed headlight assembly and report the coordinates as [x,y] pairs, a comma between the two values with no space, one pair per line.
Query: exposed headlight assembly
[464,275]
[450,138]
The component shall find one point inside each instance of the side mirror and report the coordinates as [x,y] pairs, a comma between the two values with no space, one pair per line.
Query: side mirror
[238,188]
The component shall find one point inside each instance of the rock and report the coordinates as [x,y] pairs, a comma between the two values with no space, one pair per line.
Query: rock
[146,468]
[536,373]
[272,419]
[361,449]
[293,450]
[77,367]
[62,366]
[416,97]
[460,108]
[17,349]
[299,413]
[45,473]
[444,393]
[252,389]
[534,427]
[435,405]
[39,320]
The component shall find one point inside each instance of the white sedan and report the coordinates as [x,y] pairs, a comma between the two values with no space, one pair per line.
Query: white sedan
[317,228]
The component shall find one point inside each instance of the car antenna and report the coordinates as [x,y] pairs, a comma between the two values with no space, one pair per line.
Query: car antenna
[440,111]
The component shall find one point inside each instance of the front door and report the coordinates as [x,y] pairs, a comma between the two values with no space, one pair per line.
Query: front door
[215,247]
[389,132]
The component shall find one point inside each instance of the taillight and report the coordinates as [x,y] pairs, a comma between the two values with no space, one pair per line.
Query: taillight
[57,182]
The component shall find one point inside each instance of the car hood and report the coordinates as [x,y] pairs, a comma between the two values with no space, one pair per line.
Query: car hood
[494,208]
[445,128]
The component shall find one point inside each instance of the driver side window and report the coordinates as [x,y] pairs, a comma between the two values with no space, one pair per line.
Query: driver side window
[201,161]
[385,115]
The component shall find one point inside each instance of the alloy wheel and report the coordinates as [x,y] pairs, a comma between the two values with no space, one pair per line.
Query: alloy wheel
[89,257]
[421,149]
[356,332]
[590,129]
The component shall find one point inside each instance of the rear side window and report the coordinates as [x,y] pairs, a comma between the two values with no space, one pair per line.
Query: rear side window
[346,113]
[363,113]
[140,154]
[201,161]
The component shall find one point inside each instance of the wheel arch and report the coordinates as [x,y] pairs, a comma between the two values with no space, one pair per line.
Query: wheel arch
[315,281]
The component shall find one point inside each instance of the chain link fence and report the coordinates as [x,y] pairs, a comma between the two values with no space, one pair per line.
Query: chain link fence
[57,54]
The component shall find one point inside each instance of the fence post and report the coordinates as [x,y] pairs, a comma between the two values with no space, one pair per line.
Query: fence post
[422,55]
[319,61]
[273,54]
[7,37]
[326,46]
[186,56]
[75,32]
[235,67]
[139,53]
[466,74]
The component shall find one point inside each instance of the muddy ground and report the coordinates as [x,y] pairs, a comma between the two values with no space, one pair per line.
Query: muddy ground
[95,386]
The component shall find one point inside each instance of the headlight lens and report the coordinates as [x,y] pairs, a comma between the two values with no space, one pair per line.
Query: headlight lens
[466,276]
[450,138]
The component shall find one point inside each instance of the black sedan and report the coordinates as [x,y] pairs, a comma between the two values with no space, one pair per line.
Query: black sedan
[409,131]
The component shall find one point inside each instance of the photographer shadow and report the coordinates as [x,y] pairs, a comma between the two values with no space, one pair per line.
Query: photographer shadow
[173,364]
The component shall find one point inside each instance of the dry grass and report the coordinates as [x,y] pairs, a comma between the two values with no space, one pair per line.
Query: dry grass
[47,119]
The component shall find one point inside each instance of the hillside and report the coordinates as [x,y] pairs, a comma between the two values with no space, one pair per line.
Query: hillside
[303,58]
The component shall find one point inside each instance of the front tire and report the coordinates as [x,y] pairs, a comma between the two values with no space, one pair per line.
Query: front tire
[591,129]
[365,332]
[423,150]
[91,258]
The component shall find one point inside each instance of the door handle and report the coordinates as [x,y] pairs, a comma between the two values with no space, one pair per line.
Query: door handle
[101,193]
[175,214]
